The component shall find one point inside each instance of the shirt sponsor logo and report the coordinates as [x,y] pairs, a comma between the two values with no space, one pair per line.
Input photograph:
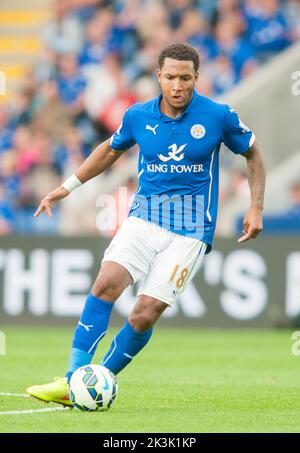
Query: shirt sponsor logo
[165,168]
[173,154]
[198,131]
[177,155]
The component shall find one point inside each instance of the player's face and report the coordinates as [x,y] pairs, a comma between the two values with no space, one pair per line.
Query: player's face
[177,80]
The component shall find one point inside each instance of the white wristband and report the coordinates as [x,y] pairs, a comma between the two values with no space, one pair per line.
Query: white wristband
[72,183]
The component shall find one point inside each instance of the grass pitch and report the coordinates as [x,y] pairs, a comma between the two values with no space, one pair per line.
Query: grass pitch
[186,380]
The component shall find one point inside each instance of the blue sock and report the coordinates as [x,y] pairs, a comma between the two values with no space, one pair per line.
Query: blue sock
[126,344]
[78,358]
[90,330]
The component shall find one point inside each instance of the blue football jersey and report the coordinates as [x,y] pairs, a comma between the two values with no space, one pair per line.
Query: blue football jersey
[178,165]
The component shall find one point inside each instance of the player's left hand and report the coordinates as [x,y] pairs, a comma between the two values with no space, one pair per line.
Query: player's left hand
[252,224]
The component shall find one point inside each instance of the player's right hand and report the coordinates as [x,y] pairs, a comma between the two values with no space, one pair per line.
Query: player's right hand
[45,207]
[45,204]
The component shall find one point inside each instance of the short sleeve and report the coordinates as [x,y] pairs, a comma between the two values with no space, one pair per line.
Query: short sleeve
[123,137]
[236,135]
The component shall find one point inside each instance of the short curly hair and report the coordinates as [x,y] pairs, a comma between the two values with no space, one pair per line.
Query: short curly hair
[179,51]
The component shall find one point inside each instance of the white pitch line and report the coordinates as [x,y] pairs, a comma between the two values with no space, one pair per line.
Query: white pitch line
[28,411]
[32,411]
[24,395]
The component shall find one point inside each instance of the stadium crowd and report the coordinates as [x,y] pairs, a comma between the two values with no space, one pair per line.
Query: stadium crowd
[98,58]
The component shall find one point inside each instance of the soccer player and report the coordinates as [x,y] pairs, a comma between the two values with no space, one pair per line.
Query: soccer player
[172,220]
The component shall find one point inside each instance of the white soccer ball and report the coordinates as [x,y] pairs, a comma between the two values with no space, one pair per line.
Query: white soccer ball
[93,388]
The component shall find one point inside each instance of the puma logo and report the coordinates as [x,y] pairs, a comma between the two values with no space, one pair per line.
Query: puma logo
[87,328]
[153,129]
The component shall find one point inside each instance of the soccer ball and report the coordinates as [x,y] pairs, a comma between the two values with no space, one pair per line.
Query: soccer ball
[93,388]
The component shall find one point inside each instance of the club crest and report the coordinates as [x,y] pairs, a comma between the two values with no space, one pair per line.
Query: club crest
[198,131]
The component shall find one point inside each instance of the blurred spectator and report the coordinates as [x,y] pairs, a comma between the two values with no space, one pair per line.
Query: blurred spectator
[23,108]
[29,82]
[146,88]
[157,18]
[292,14]
[84,9]
[177,9]
[146,61]
[98,41]
[235,48]
[6,130]
[114,110]
[70,83]
[229,10]
[26,151]
[63,33]
[125,35]
[204,84]
[72,87]
[52,116]
[267,30]
[105,82]
[46,66]
[7,216]
[70,155]
[9,176]
[39,179]
[195,31]
[45,155]
[222,75]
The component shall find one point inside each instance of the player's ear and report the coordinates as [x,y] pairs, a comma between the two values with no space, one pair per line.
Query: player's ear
[158,74]
[197,75]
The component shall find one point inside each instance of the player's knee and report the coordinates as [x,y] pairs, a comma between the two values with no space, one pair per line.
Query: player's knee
[107,288]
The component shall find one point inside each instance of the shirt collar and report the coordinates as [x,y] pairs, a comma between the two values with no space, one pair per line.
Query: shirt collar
[168,118]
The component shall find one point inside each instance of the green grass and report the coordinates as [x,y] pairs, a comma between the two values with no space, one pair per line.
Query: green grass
[186,380]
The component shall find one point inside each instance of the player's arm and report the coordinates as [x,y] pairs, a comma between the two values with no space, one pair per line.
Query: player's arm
[102,157]
[257,178]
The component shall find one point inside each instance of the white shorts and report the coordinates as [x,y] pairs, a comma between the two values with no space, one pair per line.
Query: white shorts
[165,261]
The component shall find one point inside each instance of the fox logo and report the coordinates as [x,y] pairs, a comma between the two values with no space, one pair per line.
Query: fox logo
[173,154]
[153,129]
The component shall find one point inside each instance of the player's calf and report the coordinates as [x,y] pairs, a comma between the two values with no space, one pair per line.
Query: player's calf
[146,312]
